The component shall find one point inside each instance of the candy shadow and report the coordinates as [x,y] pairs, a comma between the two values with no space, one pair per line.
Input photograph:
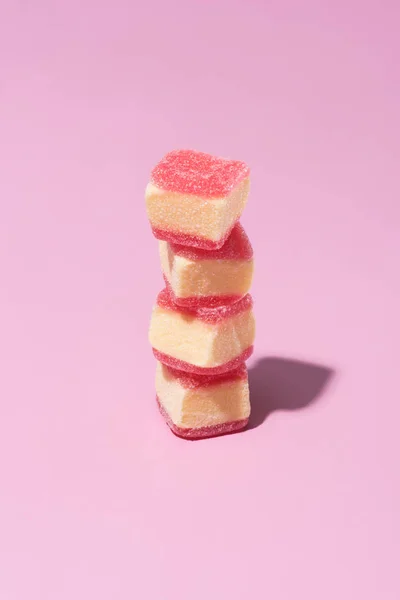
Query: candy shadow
[284,384]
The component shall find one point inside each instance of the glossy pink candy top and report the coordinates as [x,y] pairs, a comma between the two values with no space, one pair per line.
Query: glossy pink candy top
[192,381]
[198,173]
[237,247]
[209,315]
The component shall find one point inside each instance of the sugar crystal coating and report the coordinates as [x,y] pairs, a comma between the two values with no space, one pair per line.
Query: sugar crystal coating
[197,406]
[236,247]
[193,381]
[190,241]
[205,341]
[208,278]
[196,302]
[197,433]
[208,315]
[211,372]
[194,202]
[198,173]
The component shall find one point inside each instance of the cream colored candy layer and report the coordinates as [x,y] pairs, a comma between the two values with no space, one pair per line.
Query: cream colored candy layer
[207,218]
[196,342]
[198,278]
[224,402]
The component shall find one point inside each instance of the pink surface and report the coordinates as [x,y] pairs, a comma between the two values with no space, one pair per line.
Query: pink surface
[97,498]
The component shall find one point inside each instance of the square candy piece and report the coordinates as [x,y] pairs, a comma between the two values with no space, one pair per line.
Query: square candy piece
[196,406]
[206,341]
[195,199]
[208,278]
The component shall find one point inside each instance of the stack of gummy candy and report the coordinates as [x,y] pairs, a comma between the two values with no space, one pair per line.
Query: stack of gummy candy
[202,327]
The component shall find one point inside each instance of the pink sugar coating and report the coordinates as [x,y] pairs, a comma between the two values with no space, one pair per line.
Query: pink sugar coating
[208,315]
[181,365]
[196,302]
[192,380]
[193,241]
[198,173]
[196,433]
[236,247]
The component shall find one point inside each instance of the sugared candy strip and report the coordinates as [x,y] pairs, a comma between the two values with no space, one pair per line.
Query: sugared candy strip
[206,341]
[195,199]
[198,406]
[208,278]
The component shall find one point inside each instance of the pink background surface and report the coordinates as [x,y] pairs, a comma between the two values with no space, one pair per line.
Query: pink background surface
[98,499]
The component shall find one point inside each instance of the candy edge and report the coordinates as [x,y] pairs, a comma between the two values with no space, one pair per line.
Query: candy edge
[183,239]
[181,365]
[197,433]
[202,301]
[244,171]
